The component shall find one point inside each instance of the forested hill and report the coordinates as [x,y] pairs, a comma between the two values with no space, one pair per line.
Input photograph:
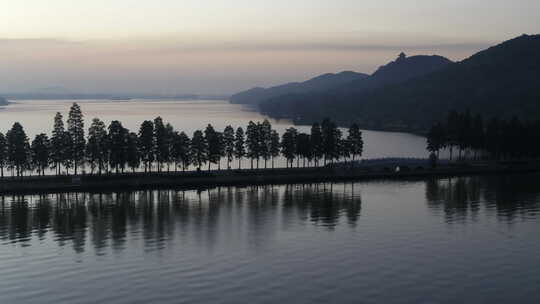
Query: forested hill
[322,104]
[318,84]
[502,81]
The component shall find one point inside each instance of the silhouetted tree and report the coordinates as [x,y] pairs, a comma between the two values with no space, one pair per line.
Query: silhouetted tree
[57,143]
[97,145]
[213,139]
[477,135]
[199,149]
[160,142]
[146,144]
[265,141]
[67,151]
[3,154]
[118,146]
[253,143]
[75,127]
[355,141]
[303,149]
[168,145]
[18,149]
[316,143]
[181,150]
[330,140]
[436,138]
[228,140]
[133,156]
[239,146]
[274,145]
[40,151]
[452,131]
[288,145]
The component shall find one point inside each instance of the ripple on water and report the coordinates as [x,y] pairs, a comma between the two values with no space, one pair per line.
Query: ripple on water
[441,241]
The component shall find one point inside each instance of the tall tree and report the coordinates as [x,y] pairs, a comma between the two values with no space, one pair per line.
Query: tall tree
[316,143]
[228,140]
[133,157]
[355,141]
[75,126]
[146,144]
[220,148]
[3,154]
[40,151]
[239,146]
[199,149]
[288,145]
[274,145]
[216,146]
[478,138]
[118,146]
[161,142]
[57,143]
[253,143]
[67,151]
[181,150]
[97,146]
[265,140]
[436,139]
[303,149]
[452,131]
[168,145]
[18,149]
[331,136]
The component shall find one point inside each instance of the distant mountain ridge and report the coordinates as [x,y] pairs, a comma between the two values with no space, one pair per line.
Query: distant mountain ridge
[317,84]
[400,70]
[502,81]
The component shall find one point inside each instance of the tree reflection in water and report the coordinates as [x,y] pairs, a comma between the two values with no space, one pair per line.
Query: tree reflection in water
[509,198]
[108,220]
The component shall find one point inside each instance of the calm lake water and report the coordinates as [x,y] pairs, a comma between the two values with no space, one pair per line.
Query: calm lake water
[460,240]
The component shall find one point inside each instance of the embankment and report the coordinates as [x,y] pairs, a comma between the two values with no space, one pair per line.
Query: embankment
[203,179]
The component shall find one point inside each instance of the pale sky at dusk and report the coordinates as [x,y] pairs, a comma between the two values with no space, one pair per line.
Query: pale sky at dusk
[220,46]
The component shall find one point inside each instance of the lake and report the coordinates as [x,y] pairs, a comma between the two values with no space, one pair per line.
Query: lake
[37,116]
[459,240]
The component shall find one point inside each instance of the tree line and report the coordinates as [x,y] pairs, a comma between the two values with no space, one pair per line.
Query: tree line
[158,146]
[475,138]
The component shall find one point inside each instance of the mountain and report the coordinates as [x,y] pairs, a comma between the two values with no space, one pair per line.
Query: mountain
[318,84]
[318,103]
[502,81]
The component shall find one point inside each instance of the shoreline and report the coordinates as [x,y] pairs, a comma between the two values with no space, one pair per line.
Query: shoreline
[207,179]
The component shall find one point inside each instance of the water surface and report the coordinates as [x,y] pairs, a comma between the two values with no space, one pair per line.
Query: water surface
[459,240]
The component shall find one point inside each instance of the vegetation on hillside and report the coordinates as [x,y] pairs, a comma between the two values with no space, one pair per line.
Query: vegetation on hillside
[502,81]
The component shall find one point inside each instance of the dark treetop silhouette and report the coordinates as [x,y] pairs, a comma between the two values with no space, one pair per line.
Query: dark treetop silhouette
[157,146]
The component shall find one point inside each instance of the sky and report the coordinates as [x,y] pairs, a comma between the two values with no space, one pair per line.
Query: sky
[223,46]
